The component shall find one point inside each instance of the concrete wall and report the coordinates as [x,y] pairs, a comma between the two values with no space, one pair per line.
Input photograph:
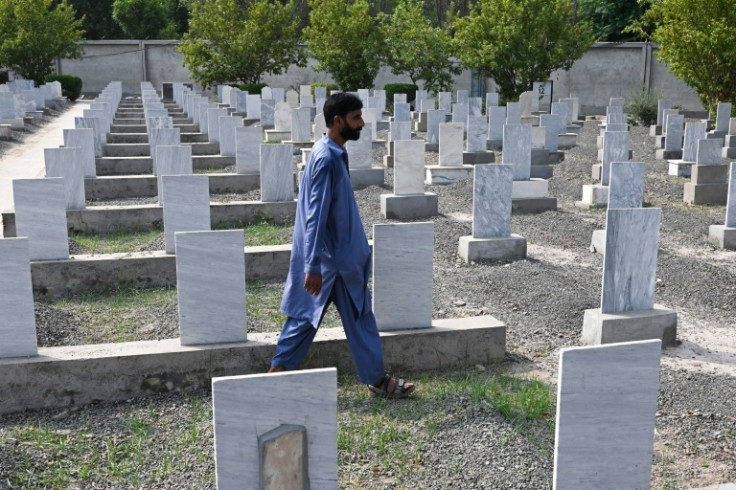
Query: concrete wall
[606,70]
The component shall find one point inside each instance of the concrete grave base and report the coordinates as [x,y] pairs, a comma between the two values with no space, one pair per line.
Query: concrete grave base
[277,135]
[471,249]
[494,145]
[143,165]
[716,135]
[531,120]
[594,196]
[411,206]
[725,486]
[388,161]
[595,171]
[16,123]
[598,242]
[478,157]
[679,168]
[77,375]
[607,328]
[541,172]
[728,152]
[533,205]
[722,236]
[668,154]
[438,174]
[532,188]
[540,156]
[655,130]
[705,193]
[566,141]
[146,185]
[5,130]
[298,146]
[363,177]
[659,141]
[600,154]
[435,147]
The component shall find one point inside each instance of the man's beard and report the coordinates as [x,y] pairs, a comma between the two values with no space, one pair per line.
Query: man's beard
[349,133]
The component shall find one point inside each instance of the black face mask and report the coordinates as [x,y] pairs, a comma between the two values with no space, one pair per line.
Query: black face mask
[349,133]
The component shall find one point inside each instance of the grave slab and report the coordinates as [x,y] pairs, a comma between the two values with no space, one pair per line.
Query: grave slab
[277,173]
[18,328]
[67,163]
[187,206]
[40,213]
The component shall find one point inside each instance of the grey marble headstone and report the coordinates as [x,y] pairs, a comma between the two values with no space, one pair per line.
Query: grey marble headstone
[462,96]
[517,149]
[477,131]
[460,113]
[277,172]
[617,102]
[539,137]
[475,106]
[630,259]
[172,160]
[673,140]
[224,93]
[434,119]
[266,93]
[492,185]
[615,149]
[662,104]
[240,418]
[320,127]
[165,136]
[513,113]
[562,109]
[95,124]
[228,125]
[709,152]
[491,100]
[451,144]
[496,121]
[305,90]
[187,208]
[267,112]
[402,112]
[399,131]
[409,167]
[282,116]
[616,118]
[380,98]
[40,215]
[203,107]
[445,102]
[248,142]
[399,99]
[18,327]
[319,104]
[420,95]
[694,131]
[292,98]
[626,187]
[606,405]
[158,122]
[525,101]
[306,100]
[213,123]
[321,92]
[732,126]
[232,101]
[278,94]
[210,282]
[371,115]
[241,102]
[9,106]
[364,94]
[360,151]
[301,124]
[253,106]
[426,105]
[571,111]
[84,139]
[731,199]
[553,124]
[67,163]
[723,114]
[665,115]
[402,275]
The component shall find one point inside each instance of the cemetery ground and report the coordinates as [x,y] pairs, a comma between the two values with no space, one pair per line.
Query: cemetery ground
[482,427]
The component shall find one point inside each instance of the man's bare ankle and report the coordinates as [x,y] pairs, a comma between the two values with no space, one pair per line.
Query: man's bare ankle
[277,369]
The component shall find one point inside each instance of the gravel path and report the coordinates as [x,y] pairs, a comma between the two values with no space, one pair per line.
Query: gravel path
[542,300]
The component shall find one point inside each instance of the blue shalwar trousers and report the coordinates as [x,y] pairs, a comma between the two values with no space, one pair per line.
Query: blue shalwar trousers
[361,332]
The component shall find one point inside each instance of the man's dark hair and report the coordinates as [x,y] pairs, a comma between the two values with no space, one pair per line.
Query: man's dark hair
[340,104]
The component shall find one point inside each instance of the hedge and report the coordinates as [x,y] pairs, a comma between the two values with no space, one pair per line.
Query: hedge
[71,86]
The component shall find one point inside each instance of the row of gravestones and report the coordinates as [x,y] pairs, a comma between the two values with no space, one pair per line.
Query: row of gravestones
[21,98]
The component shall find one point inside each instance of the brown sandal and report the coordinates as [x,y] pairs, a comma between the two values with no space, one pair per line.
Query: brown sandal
[399,391]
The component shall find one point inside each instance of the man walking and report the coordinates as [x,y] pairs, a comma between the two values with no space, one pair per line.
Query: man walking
[331,258]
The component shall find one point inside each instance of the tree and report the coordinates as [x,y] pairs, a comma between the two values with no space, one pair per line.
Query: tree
[697,40]
[140,19]
[415,47]
[239,41]
[33,34]
[611,17]
[346,41]
[518,42]
[97,21]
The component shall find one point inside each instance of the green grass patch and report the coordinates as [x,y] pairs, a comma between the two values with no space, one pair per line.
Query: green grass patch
[210,170]
[118,242]
[263,234]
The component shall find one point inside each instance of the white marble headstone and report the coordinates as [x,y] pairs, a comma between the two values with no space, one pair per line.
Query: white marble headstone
[491,100]
[477,131]
[709,152]
[241,102]
[228,125]
[320,127]
[306,100]
[371,115]
[380,100]
[426,105]
[253,106]
[513,113]
[496,121]
[210,283]
[451,144]
[402,112]
[278,94]
[434,119]
[248,142]
[165,136]
[630,259]
[213,123]
[172,160]
[292,98]
[283,398]
[460,113]
[40,215]
[694,131]
[402,275]
[731,199]
[665,115]
[282,116]
[266,93]
[67,163]
[517,149]
[84,139]
[267,112]
[408,167]
[626,187]
[615,149]
[399,131]
[277,172]
[492,185]
[673,140]
[187,208]
[606,405]
[97,125]
[475,106]
[553,124]
[462,96]
[723,115]
[662,104]
[445,102]
[301,124]
[18,326]
[399,99]
[360,151]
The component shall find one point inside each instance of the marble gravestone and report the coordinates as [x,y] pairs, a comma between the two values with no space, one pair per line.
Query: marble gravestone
[67,163]
[267,113]
[277,172]
[731,203]
[18,328]
[662,105]
[451,144]
[84,139]
[248,142]
[292,98]
[723,115]
[491,100]
[462,96]
[606,405]
[278,94]
[210,283]
[460,113]
[240,419]
[513,113]
[402,275]
[445,102]
[360,151]
[253,106]
[97,125]
[553,126]
[694,132]
[40,215]
[517,149]
[673,139]
[434,119]
[496,122]
[320,127]
[708,152]
[426,105]
[228,125]
[476,134]
[371,115]
[402,112]
[724,236]
[399,99]
[165,136]
[213,123]
[475,106]
[399,131]
[172,160]
[187,208]
[409,201]
[615,149]
[301,125]
[282,116]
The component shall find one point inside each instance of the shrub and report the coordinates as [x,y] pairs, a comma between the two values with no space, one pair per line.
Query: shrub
[71,86]
[253,88]
[642,107]
[329,86]
[4,78]
[400,88]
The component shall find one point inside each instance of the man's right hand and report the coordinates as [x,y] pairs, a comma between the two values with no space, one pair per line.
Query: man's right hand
[313,283]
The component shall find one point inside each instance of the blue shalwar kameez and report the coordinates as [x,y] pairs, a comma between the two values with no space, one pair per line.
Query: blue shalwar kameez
[329,239]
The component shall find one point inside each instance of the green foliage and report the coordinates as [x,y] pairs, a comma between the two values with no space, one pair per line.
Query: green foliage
[71,86]
[253,88]
[4,77]
[518,42]
[346,41]
[34,32]
[140,19]
[400,88]
[611,17]
[416,48]
[97,21]
[697,40]
[329,86]
[642,107]
[230,42]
